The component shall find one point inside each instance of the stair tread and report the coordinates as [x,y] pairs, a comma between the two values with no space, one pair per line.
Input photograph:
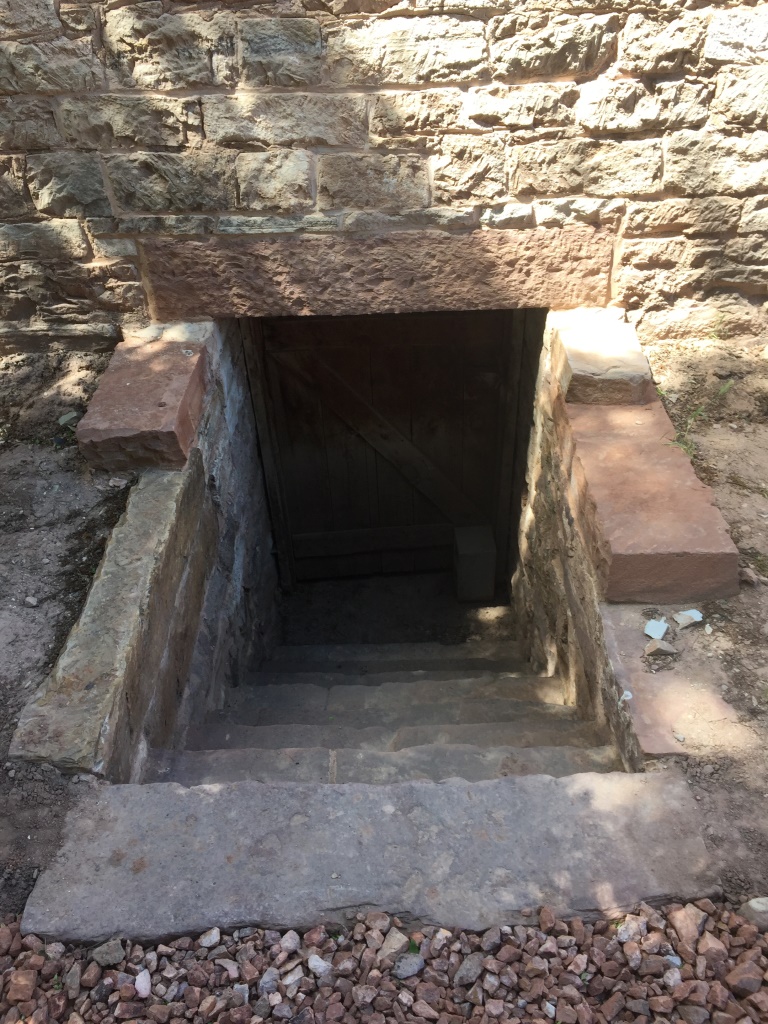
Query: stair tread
[470,855]
[381,689]
[355,657]
[432,763]
[326,708]
[532,730]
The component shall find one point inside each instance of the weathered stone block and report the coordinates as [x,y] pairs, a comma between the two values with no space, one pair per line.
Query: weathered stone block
[371,182]
[402,270]
[742,99]
[27,125]
[280,51]
[661,267]
[147,407]
[408,113]
[555,213]
[652,47]
[67,185]
[13,197]
[61,65]
[703,163]
[275,181]
[85,716]
[49,240]
[662,538]
[441,218]
[128,122]
[710,216]
[628,106]
[316,223]
[469,167]
[597,358]
[27,18]
[738,36]
[152,50]
[624,168]
[172,225]
[579,165]
[406,50]
[298,119]
[530,106]
[539,47]
[173,182]
[755,216]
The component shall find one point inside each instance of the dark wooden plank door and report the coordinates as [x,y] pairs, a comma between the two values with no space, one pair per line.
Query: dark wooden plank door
[386,433]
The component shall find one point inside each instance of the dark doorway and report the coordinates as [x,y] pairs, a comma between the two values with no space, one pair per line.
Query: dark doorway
[382,435]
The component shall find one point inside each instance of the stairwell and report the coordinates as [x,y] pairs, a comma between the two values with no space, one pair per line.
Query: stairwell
[384,713]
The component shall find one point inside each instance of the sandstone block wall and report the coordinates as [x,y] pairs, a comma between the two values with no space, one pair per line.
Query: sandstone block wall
[138,141]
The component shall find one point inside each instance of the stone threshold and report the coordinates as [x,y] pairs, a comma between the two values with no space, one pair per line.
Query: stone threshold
[148,862]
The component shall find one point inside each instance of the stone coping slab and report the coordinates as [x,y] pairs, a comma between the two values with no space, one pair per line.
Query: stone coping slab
[661,536]
[149,401]
[598,359]
[152,861]
[83,718]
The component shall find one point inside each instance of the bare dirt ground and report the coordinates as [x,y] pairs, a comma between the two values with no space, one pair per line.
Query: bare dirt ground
[716,392]
[55,516]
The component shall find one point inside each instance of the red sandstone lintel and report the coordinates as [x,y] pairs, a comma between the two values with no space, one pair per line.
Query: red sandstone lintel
[147,407]
[665,538]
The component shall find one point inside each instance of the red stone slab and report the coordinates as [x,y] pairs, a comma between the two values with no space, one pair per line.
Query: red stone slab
[147,407]
[663,538]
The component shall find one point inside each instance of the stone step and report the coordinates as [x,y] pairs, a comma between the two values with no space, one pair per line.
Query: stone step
[357,659]
[432,763]
[276,707]
[380,689]
[544,728]
[146,862]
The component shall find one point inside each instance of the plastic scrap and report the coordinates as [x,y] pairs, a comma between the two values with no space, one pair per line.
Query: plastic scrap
[656,628]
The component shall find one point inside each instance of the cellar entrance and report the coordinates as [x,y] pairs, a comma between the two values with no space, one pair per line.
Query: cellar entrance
[396,444]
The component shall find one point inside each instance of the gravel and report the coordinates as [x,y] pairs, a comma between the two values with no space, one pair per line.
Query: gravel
[702,963]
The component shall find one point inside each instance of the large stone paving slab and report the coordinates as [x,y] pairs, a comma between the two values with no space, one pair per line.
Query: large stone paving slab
[153,861]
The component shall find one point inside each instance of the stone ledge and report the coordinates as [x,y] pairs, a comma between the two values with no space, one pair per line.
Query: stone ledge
[92,710]
[597,358]
[147,407]
[661,538]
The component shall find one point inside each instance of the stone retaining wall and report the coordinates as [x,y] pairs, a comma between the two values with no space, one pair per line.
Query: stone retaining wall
[406,142]
[185,594]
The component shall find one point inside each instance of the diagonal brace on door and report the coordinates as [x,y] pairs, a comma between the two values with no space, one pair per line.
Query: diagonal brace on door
[385,438]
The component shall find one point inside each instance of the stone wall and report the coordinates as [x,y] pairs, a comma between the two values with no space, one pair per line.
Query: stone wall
[486,144]
[184,598]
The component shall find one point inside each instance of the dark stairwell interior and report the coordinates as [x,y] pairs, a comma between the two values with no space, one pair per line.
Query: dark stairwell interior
[394,450]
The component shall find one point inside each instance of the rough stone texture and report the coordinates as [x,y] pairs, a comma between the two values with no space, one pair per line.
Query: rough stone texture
[147,406]
[395,117]
[637,840]
[117,674]
[383,182]
[658,536]
[598,358]
[67,185]
[275,181]
[401,270]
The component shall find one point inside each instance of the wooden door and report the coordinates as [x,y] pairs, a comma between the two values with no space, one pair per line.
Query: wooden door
[380,434]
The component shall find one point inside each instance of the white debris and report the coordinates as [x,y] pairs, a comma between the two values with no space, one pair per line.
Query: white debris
[688,617]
